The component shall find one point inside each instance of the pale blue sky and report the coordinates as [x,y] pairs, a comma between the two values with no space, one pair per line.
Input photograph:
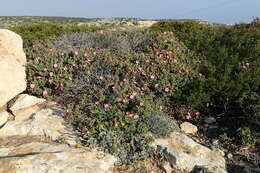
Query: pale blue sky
[220,11]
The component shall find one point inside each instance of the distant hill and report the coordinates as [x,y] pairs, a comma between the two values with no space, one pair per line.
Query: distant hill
[9,21]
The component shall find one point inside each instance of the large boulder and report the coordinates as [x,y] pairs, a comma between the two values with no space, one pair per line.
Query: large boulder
[12,44]
[12,66]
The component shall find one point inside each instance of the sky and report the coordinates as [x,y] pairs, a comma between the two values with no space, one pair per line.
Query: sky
[218,11]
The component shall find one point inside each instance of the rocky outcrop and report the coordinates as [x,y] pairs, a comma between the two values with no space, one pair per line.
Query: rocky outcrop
[12,66]
[39,140]
[186,154]
[42,157]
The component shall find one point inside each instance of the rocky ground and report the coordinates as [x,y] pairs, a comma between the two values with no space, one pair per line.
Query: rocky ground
[35,137]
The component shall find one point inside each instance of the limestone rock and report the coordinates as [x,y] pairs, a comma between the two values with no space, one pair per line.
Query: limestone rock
[42,157]
[187,154]
[4,116]
[210,120]
[24,101]
[37,121]
[12,44]
[187,127]
[12,78]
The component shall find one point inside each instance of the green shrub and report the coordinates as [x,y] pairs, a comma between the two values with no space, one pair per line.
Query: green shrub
[230,66]
[33,33]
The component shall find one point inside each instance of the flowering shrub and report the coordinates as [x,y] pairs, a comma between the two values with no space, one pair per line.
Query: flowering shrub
[112,95]
[229,84]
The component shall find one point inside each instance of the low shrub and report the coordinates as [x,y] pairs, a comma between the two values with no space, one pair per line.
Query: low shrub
[112,96]
[230,68]
[33,33]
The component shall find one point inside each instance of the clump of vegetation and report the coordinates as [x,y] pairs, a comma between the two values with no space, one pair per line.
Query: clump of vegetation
[32,33]
[119,87]
[111,95]
[229,88]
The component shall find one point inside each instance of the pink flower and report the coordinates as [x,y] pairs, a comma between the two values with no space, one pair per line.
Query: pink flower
[124,100]
[101,77]
[114,119]
[55,65]
[119,99]
[152,77]
[125,80]
[141,103]
[45,69]
[75,53]
[174,61]
[85,54]
[137,62]
[132,96]
[156,85]
[113,87]
[65,68]
[51,74]
[70,78]
[106,105]
[136,116]
[50,81]
[197,113]
[97,102]
[134,93]
[36,59]
[130,115]
[44,92]
[189,116]
[32,86]
[167,89]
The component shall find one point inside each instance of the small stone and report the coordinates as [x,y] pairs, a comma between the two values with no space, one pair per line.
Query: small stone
[215,141]
[229,156]
[188,128]
[210,120]
[167,167]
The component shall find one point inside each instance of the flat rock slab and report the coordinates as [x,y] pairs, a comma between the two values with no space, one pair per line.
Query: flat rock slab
[39,120]
[24,101]
[187,154]
[43,157]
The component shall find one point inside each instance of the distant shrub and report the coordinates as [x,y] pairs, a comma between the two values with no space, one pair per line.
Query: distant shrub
[137,41]
[33,33]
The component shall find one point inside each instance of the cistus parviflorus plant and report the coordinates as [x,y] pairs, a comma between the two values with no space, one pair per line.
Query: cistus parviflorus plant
[113,95]
[230,64]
